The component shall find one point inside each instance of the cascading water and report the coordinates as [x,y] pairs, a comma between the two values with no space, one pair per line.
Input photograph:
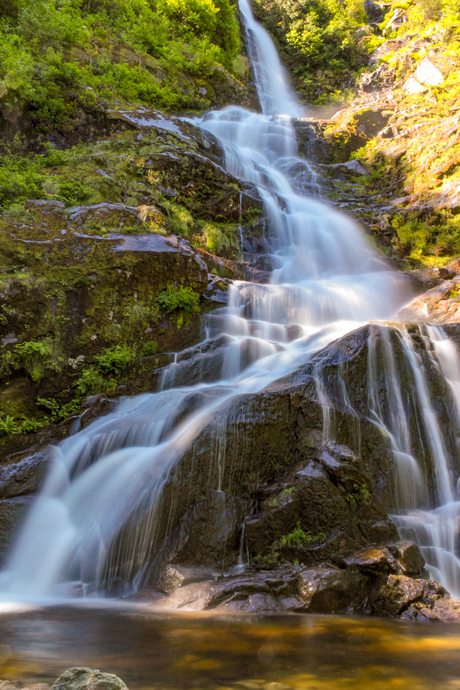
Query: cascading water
[108,478]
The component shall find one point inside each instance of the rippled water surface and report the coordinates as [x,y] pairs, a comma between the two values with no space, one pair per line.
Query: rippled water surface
[154,651]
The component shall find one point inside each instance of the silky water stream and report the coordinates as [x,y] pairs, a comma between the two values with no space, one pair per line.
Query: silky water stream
[326,281]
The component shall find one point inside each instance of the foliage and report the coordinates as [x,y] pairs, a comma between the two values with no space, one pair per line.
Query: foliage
[296,539]
[35,357]
[23,425]
[183,298]
[111,361]
[59,412]
[359,496]
[317,41]
[92,381]
[219,239]
[57,56]
[149,349]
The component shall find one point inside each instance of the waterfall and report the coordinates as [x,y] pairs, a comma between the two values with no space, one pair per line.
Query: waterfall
[275,94]
[107,480]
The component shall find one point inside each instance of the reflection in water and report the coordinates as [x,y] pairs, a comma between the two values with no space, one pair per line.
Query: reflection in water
[301,652]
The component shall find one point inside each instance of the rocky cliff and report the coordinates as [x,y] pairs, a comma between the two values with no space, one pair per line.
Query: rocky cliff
[112,251]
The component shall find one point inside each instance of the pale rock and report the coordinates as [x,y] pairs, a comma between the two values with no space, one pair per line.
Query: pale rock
[427,73]
[412,86]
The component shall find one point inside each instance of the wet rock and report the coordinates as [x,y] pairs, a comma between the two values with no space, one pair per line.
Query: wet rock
[87,679]
[397,594]
[255,603]
[372,560]
[23,474]
[311,140]
[408,557]
[7,685]
[210,532]
[330,590]
[94,406]
[170,580]
[12,510]
[254,591]
[436,605]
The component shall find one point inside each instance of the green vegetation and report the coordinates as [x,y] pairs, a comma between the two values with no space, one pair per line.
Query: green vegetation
[318,42]
[359,496]
[296,539]
[62,58]
[411,147]
[23,425]
[36,358]
[99,378]
[179,298]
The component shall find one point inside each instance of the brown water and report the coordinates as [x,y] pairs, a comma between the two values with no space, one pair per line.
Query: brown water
[267,653]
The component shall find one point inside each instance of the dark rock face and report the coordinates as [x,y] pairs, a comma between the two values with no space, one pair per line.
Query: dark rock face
[293,495]
[319,495]
[12,511]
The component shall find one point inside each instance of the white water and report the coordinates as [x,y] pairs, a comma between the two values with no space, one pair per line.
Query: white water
[327,281]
